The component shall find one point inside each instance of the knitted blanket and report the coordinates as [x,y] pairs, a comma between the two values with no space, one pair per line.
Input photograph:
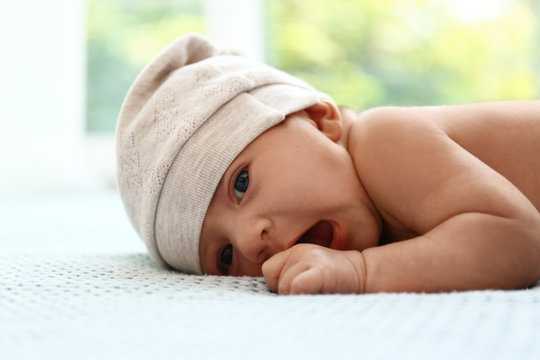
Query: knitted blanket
[74,302]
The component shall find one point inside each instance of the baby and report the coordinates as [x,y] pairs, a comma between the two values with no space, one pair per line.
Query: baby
[227,166]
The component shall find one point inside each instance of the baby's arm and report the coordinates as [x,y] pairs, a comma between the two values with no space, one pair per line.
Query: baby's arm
[477,229]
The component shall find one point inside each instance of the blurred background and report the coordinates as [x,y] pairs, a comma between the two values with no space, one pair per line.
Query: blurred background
[66,65]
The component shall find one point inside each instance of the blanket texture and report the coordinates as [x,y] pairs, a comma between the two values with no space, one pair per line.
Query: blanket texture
[121,306]
[75,301]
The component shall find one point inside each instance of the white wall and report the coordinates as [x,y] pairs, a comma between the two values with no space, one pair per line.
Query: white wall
[42,82]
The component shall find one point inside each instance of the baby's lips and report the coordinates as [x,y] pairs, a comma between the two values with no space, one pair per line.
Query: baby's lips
[322,234]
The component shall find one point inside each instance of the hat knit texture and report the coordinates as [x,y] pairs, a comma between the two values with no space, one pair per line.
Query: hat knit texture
[187,116]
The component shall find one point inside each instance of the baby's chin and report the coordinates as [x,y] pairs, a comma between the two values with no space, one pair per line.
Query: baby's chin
[360,245]
[363,237]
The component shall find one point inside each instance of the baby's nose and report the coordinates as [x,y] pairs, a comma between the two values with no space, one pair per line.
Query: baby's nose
[251,247]
[254,242]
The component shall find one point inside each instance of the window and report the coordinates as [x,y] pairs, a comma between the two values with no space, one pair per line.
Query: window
[409,52]
[123,35]
[363,53]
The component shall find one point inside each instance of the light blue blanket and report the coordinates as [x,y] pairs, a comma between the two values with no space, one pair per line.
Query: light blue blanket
[112,303]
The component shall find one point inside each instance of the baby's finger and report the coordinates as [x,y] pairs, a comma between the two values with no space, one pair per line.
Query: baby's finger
[272,269]
[310,281]
[288,275]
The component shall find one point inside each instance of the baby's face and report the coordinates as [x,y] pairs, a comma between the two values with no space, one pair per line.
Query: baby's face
[290,185]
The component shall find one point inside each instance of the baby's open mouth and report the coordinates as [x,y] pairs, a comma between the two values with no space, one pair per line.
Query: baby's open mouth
[321,234]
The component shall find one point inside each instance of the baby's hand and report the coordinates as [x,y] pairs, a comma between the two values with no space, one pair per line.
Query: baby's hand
[313,269]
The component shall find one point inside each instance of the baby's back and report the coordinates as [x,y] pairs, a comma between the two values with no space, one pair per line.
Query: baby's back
[506,136]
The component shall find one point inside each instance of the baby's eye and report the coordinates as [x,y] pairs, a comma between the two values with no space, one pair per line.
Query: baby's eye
[241,184]
[225,259]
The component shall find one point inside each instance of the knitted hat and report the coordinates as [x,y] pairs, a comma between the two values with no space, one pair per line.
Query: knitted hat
[187,116]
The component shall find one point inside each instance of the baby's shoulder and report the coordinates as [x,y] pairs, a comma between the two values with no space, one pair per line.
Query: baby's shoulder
[436,160]
[386,131]
[390,149]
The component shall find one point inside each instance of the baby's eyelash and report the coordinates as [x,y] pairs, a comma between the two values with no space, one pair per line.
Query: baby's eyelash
[225,258]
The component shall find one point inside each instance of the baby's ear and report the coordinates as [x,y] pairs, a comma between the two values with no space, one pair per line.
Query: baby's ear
[327,117]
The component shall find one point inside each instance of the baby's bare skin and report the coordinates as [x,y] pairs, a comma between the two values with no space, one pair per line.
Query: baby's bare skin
[453,193]
[465,179]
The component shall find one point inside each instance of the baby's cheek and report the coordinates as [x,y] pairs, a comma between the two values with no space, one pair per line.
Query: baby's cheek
[249,269]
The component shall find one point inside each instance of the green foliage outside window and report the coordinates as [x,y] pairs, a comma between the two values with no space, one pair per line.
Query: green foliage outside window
[363,53]
[405,52]
[123,35]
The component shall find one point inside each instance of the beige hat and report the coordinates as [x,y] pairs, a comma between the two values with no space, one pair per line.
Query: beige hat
[190,112]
